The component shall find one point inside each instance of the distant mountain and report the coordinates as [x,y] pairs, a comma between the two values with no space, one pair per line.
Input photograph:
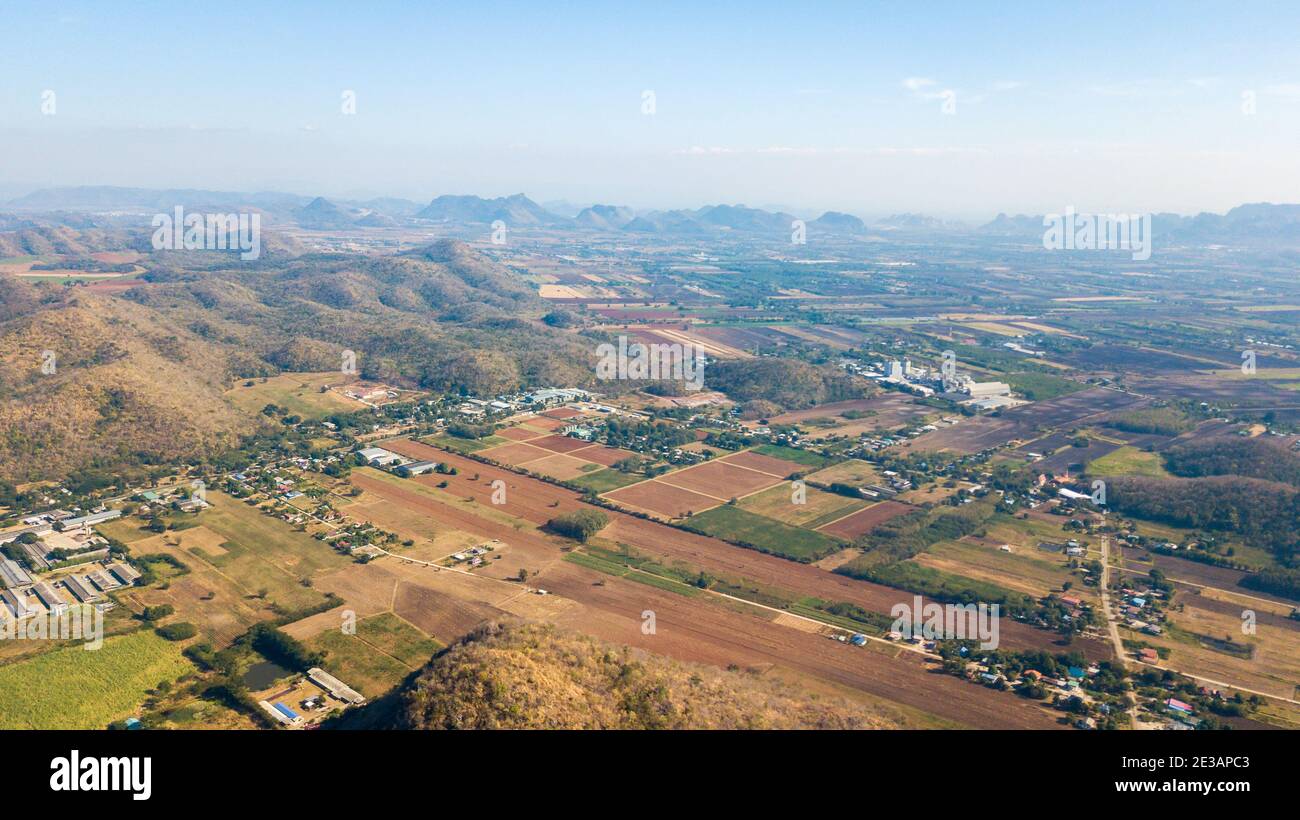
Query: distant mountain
[110,198]
[1250,224]
[391,206]
[1018,225]
[321,214]
[516,211]
[605,217]
[917,222]
[563,207]
[836,222]
[741,218]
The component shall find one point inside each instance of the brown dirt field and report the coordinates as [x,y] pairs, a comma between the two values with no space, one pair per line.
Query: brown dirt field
[690,629]
[517,453]
[777,467]
[600,454]
[546,423]
[560,444]
[664,499]
[558,466]
[562,413]
[531,500]
[1180,569]
[1199,601]
[518,434]
[864,521]
[444,617]
[720,479]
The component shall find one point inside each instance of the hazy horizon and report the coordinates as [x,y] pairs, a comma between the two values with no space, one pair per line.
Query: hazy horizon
[949,111]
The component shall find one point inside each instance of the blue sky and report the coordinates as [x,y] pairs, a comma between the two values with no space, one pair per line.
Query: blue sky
[806,106]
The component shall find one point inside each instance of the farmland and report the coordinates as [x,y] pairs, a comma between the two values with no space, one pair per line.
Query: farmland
[72,688]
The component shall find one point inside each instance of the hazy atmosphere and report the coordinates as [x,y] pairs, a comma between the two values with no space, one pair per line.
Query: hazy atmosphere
[869,108]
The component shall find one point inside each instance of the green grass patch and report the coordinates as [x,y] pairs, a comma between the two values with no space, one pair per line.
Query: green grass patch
[467,445]
[1129,461]
[1042,386]
[791,454]
[763,534]
[75,688]
[606,480]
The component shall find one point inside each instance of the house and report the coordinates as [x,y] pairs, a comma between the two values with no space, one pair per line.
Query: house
[1176,705]
[1148,655]
[88,520]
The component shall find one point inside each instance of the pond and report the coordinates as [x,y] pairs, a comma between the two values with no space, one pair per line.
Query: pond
[263,674]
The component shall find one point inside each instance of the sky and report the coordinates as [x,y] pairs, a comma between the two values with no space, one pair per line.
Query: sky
[959,110]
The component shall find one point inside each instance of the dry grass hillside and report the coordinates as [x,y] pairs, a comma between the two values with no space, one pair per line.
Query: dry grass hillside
[129,387]
[533,676]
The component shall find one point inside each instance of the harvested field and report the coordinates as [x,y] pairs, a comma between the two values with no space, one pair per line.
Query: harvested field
[518,434]
[515,454]
[663,499]
[600,454]
[559,466]
[547,423]
[693,629]
[778,467]
[720,479]
[532,501]
[852,471]
[818,507]
[889,410]
[864,521]
[560,444]
[561,413]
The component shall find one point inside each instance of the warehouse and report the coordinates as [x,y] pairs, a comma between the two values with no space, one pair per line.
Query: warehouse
[88,520]
[334,686]
[16,604]
[81,588]
[50,598]
[125,573]
[13,574]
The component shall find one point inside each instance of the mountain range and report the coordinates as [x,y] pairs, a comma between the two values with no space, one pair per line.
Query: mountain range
[98,206]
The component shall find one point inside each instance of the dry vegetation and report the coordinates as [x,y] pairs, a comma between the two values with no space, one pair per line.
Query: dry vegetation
[532,677]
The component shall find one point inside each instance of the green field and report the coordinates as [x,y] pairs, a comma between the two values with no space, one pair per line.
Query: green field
[791,454]
[299,393]
[819,507]
[262,552]
[384,650]
[1042,386]
[467,445]
[1129,461]
[75,688]
[606,480]
[764,534]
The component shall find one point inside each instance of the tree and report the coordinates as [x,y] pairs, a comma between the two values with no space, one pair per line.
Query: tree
[579,525]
